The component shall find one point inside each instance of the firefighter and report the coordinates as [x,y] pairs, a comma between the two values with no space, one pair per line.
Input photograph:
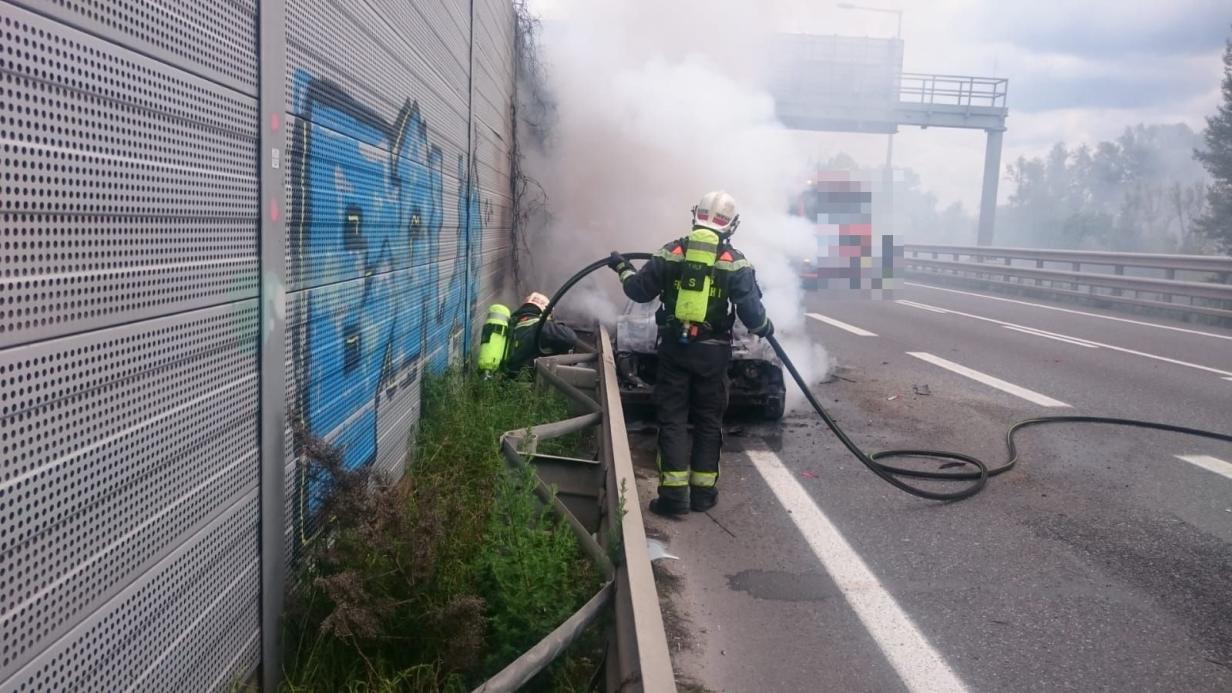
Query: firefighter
[698,279]
[556,338]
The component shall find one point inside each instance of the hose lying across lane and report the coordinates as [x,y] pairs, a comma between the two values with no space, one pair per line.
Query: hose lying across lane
[977,478]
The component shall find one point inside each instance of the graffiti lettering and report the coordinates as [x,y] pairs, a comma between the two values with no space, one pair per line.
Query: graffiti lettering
[383,296]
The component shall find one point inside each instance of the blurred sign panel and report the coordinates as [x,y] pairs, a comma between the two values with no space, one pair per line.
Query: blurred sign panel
[836,82]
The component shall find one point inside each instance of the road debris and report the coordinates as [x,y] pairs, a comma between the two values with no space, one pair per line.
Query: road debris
[922,390]
[658,551]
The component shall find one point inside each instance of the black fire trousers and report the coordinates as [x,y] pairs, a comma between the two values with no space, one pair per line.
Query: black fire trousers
[691,387]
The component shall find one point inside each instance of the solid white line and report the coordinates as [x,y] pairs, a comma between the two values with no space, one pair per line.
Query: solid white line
[1112,347]
[858,331]
[1211,464]
[920,667]
[1229,379]
[1011,388]
[1074,312]
[1049,335]
[921,306]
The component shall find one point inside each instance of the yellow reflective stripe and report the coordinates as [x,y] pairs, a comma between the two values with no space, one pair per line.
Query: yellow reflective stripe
[626,274]
[665,254]
[704,479]
[732,265]
[673,479]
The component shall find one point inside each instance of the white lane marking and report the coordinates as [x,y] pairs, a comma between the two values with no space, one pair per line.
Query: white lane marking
[858,331]
[1229,379]
[1212,464]
[1049,335]
[920,667]
[1011,388]
[1123,350]
[1074,312]
[921,306]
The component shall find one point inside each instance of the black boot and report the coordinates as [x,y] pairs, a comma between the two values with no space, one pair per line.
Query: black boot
[669,507]
[701,502]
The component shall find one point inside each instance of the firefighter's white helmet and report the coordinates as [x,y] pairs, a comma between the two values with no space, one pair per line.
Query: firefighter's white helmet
[537,299]
[717,212]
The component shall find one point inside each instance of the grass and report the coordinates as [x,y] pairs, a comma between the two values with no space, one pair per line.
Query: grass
[438,581]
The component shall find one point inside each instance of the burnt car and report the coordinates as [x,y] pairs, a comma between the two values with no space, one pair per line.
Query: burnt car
[755,372]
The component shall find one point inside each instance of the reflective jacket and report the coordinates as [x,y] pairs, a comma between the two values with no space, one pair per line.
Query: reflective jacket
[556,338]
[733,283]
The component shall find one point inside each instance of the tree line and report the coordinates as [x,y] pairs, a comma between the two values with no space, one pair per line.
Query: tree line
[1156,188]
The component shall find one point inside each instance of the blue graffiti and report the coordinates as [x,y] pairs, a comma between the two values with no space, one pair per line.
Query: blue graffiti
[366,239]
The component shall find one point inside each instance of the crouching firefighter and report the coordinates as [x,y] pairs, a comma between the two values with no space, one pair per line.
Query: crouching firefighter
[698,279]
[508,340]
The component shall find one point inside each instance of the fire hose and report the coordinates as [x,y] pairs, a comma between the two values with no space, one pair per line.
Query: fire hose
[976,473]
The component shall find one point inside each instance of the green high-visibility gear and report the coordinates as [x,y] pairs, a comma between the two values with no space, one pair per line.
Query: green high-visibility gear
[494,339]
[693,300]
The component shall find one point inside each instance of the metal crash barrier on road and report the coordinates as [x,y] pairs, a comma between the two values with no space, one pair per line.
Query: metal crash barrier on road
[598,499]
[1204,288]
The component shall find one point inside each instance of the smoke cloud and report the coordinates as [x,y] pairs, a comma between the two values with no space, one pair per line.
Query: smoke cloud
[656,104]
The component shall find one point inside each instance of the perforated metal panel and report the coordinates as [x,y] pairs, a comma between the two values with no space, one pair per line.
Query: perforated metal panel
[216,40]
[171,628]
[129,188]
[116,444]
[128,345]
[492,142]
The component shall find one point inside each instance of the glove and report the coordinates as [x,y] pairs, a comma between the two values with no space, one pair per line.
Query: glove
[620,265]
[766,329]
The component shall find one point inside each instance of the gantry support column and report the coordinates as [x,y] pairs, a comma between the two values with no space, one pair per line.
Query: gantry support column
[988,194]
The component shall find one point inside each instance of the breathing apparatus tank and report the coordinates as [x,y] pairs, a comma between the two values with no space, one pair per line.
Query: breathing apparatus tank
[494,339]
[693,298]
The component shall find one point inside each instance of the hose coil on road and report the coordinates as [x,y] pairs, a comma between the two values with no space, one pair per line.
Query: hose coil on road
[891,473]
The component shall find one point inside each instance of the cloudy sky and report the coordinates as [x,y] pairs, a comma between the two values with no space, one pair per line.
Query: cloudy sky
[1079,71]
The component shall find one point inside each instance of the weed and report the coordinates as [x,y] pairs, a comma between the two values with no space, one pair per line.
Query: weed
[530,570]
[439,580]
[615,531]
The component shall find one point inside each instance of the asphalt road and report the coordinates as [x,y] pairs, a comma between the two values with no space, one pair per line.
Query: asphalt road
[1103,562]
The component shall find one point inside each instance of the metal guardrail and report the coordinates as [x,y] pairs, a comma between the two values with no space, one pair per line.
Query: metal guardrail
[1208,292]
[1174,263]
[598,500]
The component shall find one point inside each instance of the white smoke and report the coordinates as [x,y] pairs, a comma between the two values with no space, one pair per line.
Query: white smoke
[656,104]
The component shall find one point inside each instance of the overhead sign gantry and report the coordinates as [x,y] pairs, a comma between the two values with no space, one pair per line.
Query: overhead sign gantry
[851,84]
